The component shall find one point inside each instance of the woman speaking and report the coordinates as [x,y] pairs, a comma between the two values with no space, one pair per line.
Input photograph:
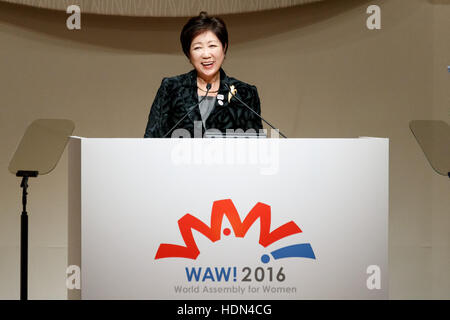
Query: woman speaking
[202,99]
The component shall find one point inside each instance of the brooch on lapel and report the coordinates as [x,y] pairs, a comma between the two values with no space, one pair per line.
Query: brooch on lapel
[220,98]
[232,92]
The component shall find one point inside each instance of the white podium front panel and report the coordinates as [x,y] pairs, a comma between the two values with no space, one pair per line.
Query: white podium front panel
[231,218]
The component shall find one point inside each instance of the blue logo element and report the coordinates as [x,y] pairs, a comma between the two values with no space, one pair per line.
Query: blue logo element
[302,250]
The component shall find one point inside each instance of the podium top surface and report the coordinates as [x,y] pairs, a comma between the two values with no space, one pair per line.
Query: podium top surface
[207,139]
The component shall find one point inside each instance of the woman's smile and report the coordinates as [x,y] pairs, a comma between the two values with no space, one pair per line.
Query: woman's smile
[208,65]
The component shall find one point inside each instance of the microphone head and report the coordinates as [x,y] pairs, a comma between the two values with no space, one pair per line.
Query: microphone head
[208,86]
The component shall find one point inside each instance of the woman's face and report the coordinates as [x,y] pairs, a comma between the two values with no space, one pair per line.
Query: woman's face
[207,55]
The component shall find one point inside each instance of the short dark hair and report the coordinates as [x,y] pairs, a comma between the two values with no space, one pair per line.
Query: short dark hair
[200,24]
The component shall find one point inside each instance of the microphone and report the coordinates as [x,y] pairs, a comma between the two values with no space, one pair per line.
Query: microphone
[247,106]
[208,87]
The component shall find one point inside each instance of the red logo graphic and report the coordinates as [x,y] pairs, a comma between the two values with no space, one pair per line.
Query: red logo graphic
[220,209]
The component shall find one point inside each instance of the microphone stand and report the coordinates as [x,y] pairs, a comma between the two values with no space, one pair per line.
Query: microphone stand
[247,106]
[24,233]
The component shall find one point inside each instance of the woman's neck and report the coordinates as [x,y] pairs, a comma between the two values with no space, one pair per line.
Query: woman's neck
[214,81]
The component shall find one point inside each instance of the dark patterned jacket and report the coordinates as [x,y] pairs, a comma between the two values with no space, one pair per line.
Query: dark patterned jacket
[178,94]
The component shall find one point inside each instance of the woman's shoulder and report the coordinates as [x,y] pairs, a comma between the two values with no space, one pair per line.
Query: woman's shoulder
[189,79]
[184,79]
[239,83]
[245,89]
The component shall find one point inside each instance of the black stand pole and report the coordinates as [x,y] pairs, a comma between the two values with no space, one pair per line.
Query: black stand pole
[24,234]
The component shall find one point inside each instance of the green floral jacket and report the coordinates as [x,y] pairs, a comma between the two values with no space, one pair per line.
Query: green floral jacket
[178,94]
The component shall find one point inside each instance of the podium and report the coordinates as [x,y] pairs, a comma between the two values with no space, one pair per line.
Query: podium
[229,218]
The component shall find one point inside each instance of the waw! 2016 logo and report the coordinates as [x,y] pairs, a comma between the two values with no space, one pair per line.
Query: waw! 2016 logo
[213,232]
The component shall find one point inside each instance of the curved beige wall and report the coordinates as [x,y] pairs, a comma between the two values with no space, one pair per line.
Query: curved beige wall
[320,73]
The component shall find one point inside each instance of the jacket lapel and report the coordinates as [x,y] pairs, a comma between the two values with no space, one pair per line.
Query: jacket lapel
[223,115]
[191,96]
